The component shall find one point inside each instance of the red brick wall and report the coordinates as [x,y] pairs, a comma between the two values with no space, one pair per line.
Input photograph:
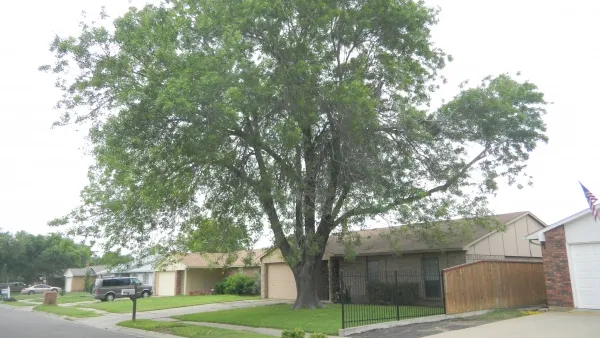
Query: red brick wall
[556,268]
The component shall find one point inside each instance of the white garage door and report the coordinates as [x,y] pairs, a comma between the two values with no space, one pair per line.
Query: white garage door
[280,281]
[586,272]
[166,283]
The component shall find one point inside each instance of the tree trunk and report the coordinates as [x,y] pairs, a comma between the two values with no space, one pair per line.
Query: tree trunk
[307,283]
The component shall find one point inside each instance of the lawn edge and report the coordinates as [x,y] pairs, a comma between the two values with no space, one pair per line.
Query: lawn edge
[206,325]
[34,309]
[177,307]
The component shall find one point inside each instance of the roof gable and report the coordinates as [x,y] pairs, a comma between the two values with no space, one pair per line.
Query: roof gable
[509,219]
[539,235]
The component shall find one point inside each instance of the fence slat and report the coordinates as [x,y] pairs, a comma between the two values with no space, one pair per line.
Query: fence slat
[487,285]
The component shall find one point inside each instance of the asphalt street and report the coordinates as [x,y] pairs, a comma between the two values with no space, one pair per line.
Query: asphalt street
[17,323]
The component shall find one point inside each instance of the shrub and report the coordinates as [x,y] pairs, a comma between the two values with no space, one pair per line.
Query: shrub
[296,333]
[390,293]
[199,293]
[256,286]
[239,284]
[62,292]
[318,335]
[220,287]
[88,284]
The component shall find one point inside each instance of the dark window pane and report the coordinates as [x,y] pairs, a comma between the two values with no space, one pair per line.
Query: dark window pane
[373,270]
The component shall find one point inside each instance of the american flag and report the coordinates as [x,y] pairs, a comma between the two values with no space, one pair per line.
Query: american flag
[591,199]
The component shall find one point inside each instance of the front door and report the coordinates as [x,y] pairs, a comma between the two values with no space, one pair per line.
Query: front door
[323,282]
[431,275]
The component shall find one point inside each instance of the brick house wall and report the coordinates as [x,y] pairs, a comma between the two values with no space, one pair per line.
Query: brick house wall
[556,269]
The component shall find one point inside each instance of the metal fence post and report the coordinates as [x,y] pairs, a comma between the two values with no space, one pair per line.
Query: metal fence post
[396,295]
[133,313]
[342,293]
[443,292]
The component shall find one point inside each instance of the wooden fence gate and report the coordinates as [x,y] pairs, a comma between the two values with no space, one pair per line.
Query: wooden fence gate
[487,285]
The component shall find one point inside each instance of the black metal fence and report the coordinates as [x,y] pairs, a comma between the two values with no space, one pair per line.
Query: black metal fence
[388,296]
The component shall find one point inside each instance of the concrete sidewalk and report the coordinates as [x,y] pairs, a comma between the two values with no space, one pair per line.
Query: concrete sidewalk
[109,321]
[547,325]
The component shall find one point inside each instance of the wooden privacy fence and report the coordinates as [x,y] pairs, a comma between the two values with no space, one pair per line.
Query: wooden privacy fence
[493,285]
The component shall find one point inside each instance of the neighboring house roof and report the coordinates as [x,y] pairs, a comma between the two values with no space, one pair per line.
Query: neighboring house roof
[142,266]
[196,260]
[80,272]
[98,268]
[141,269]
[539,235]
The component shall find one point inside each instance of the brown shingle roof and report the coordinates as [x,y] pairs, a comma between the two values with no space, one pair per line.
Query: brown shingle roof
[393,239]
[205,260]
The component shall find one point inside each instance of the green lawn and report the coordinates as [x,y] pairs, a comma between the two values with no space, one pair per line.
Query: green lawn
[71,297]
[65,311]
[75,297]
[281,316]
[19,296]
[159,303]
[186,330]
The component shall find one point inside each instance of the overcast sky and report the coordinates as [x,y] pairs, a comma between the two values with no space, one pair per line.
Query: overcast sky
[553,43]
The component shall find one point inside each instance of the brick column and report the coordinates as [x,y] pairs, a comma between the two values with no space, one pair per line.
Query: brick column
[556,269]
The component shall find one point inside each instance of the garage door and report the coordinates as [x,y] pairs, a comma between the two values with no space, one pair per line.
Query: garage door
[586,272]
[280,281]
[166,283]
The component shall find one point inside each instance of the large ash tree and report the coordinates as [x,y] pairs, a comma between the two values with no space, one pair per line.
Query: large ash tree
[309,116]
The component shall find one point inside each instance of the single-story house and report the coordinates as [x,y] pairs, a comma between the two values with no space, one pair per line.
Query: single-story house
[199,273]
[75,277]
[571,256]
[376,255]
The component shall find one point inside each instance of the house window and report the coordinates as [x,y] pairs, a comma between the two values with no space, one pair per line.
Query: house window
[431,275]
[372,270]
[145,278]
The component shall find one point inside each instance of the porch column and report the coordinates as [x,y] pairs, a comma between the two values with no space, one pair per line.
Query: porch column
[185,281]
[263,281]
[330,278]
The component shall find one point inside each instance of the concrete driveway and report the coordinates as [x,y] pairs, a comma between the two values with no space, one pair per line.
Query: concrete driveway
[547,325]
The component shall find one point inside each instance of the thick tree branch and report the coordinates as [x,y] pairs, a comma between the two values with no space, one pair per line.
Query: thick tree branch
[257,143]
[266,200]
[379,209]
[309,189]
[299,219]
